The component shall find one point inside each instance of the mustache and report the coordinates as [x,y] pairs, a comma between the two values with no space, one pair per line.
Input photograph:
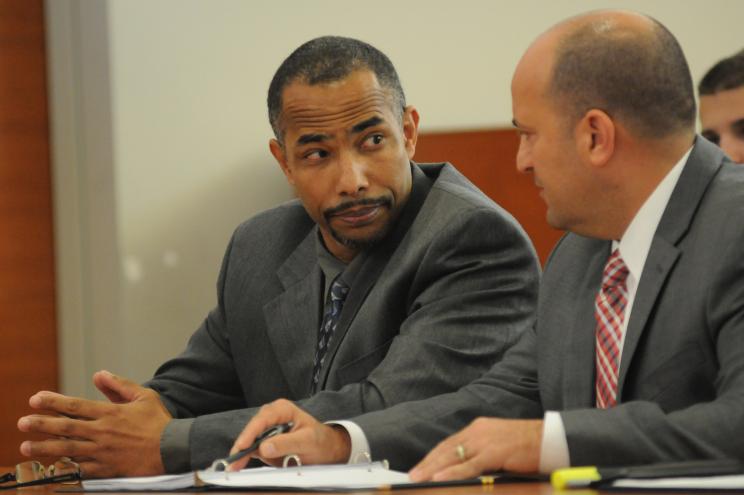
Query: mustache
[347,205]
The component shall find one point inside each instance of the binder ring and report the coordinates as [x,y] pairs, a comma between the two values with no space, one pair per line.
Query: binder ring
[220,465]
[365,455]
[294,457]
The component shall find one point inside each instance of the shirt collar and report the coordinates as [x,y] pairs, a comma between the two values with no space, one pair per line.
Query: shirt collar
[636,241]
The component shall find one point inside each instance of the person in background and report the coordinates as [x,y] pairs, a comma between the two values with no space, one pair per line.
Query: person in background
[637,352]
[722,105]
[385,281]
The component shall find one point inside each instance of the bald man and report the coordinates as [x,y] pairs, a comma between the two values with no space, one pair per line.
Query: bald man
[722,105]
[637,354]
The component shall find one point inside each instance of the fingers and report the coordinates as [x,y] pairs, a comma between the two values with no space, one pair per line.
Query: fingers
[57,447]
[57,426]
[314,443]
[487,444]
[277,412]
[298,442]
[468,469]
[114,439]
[441,457]
[73,407]
[117,389]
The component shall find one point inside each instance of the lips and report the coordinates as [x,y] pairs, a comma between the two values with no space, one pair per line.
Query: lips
[357,216]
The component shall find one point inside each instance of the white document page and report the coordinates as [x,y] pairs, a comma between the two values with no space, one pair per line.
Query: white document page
[334,476]
[339,476]
[164,482]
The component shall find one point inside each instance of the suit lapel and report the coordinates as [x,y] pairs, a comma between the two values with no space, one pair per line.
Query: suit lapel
[661,258]
[701,166]
[578,384]
[293,317]
[374,262]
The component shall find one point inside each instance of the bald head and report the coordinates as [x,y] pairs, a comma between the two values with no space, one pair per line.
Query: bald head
[626,64]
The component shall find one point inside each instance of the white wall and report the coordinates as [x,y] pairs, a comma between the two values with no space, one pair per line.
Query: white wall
[160,134]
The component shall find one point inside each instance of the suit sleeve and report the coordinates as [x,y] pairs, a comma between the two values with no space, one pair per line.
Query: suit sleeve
[642,432]
[404,433]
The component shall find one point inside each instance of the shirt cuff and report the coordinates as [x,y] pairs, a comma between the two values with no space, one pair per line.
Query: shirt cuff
[174,446]
[359,444]
[554,449]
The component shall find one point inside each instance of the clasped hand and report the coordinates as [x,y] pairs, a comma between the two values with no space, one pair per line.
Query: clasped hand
[120,438]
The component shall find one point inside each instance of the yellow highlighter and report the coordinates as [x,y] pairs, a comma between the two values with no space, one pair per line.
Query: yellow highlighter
[576,477]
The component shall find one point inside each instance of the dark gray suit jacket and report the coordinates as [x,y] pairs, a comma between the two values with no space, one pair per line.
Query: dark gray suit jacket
[681,382]
[432,307]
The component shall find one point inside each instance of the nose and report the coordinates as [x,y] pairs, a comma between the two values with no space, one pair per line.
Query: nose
[352,175]
[733,146]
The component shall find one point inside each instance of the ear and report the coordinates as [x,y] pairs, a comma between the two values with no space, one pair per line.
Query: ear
[277,149]
[596,137]
[410,129]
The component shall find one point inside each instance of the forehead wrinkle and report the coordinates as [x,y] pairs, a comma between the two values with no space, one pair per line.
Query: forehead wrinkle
[315,114]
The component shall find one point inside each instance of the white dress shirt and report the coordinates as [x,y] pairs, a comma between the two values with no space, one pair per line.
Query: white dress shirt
[634,247]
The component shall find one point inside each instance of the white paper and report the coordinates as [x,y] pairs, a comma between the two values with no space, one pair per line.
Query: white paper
[341,476]
[164,482]
[334,476]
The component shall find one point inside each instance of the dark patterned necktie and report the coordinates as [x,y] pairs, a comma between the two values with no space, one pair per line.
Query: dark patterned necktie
[335,302]
[610,312]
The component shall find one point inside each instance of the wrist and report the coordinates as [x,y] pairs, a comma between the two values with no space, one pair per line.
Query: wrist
[341,444]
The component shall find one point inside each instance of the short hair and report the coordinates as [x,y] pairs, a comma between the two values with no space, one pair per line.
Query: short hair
[641,79]
[726,74]
[328,59]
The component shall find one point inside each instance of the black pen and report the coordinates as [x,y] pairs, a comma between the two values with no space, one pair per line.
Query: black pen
[222,464]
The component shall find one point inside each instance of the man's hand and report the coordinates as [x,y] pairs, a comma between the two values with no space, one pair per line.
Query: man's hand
[107,440]
[487,444]
[312,441]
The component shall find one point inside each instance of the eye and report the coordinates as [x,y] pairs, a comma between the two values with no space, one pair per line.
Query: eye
[711,136]
[373,141]
[315,155]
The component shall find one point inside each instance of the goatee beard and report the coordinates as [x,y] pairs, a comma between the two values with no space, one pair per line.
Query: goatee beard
[365,243]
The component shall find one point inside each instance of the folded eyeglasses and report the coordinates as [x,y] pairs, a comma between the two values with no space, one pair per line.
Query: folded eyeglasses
[31,473]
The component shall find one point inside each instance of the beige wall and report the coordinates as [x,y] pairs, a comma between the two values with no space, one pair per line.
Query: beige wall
[160,134]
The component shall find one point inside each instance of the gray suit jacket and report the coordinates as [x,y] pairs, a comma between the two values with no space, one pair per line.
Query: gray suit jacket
[681,382]
[432,307]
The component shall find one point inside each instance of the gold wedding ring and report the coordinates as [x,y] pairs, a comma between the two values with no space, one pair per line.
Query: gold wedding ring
[460,451]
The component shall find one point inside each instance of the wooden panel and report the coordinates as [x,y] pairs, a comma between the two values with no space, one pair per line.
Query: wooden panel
[27,309]
[487,158]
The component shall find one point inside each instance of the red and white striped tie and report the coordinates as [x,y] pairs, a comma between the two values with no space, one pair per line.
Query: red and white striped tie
[609,310]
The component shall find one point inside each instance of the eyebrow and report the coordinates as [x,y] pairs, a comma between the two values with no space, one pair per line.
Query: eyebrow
[356,129]
[312,138]
[370,122]
[515,123]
